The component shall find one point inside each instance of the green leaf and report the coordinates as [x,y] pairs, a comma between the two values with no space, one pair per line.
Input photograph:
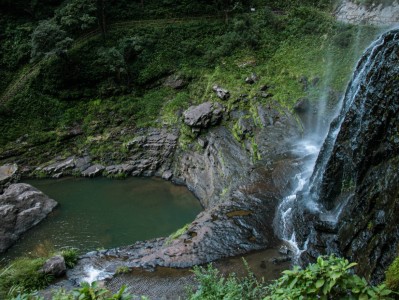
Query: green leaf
[363,297]
[319,283]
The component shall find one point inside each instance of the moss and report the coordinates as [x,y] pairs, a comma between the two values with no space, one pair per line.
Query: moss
[392,275]
[177,234]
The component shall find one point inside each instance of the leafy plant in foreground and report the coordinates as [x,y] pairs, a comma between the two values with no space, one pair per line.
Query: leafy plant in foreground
[329,278]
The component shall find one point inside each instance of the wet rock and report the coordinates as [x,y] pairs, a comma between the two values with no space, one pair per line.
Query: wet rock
[302,105]
[280,260]
[204,115]
[93,171]
[21,207]
[284,250]
[54,266]
[253,78]
[221,92]
[359,162]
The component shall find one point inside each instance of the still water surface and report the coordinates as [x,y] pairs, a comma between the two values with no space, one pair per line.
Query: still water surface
[105,213]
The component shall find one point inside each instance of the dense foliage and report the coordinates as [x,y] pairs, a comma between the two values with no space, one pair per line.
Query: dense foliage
[98,66]
[24,274]
[329,278]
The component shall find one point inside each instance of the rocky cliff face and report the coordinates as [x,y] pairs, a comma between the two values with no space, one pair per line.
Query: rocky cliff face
[239,194]
[356,180]
[373,14]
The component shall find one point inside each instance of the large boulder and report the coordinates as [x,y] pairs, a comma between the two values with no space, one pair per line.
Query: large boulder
[21,207]
[204,115]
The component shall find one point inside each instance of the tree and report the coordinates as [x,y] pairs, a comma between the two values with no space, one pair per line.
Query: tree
[116,59]
[101,18]
[77,15]
[48,39]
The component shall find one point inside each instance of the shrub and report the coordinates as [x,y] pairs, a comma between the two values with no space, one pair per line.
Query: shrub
[329,278]
[214,286]
[392,275]
[23,276]
[70,256]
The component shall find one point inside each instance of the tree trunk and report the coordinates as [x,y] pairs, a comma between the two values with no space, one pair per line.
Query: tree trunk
[101,18]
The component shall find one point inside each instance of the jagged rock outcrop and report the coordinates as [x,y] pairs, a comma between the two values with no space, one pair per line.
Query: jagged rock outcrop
[150,153]
[356,179]
[21,207]
[380,14]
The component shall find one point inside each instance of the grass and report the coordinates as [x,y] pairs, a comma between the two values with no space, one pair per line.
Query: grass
[23,274]
[305,45]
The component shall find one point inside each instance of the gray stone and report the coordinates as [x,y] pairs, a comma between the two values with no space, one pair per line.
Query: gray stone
[204,115]
[175,82]
[93,171]
[221,92]
[59,166]
[8,173]
[54,266]
[167,175]
[358,13]
[21,207]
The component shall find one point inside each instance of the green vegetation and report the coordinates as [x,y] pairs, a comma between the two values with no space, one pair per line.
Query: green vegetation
[177,234]
[392,275]
[100,75]
[329,278]
[23,275]
[214,286]
[70,256]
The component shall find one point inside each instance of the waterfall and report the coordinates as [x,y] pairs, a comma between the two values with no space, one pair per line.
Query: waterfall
[309,180]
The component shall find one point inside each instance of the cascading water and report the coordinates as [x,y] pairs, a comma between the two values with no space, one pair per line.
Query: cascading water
[309,180]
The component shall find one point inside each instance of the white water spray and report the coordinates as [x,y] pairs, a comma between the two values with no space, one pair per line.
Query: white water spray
[310,177]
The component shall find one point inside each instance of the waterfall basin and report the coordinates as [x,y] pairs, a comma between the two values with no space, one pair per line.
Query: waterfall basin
[104,213]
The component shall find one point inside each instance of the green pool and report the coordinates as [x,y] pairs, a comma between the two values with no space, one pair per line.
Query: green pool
[105,213]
